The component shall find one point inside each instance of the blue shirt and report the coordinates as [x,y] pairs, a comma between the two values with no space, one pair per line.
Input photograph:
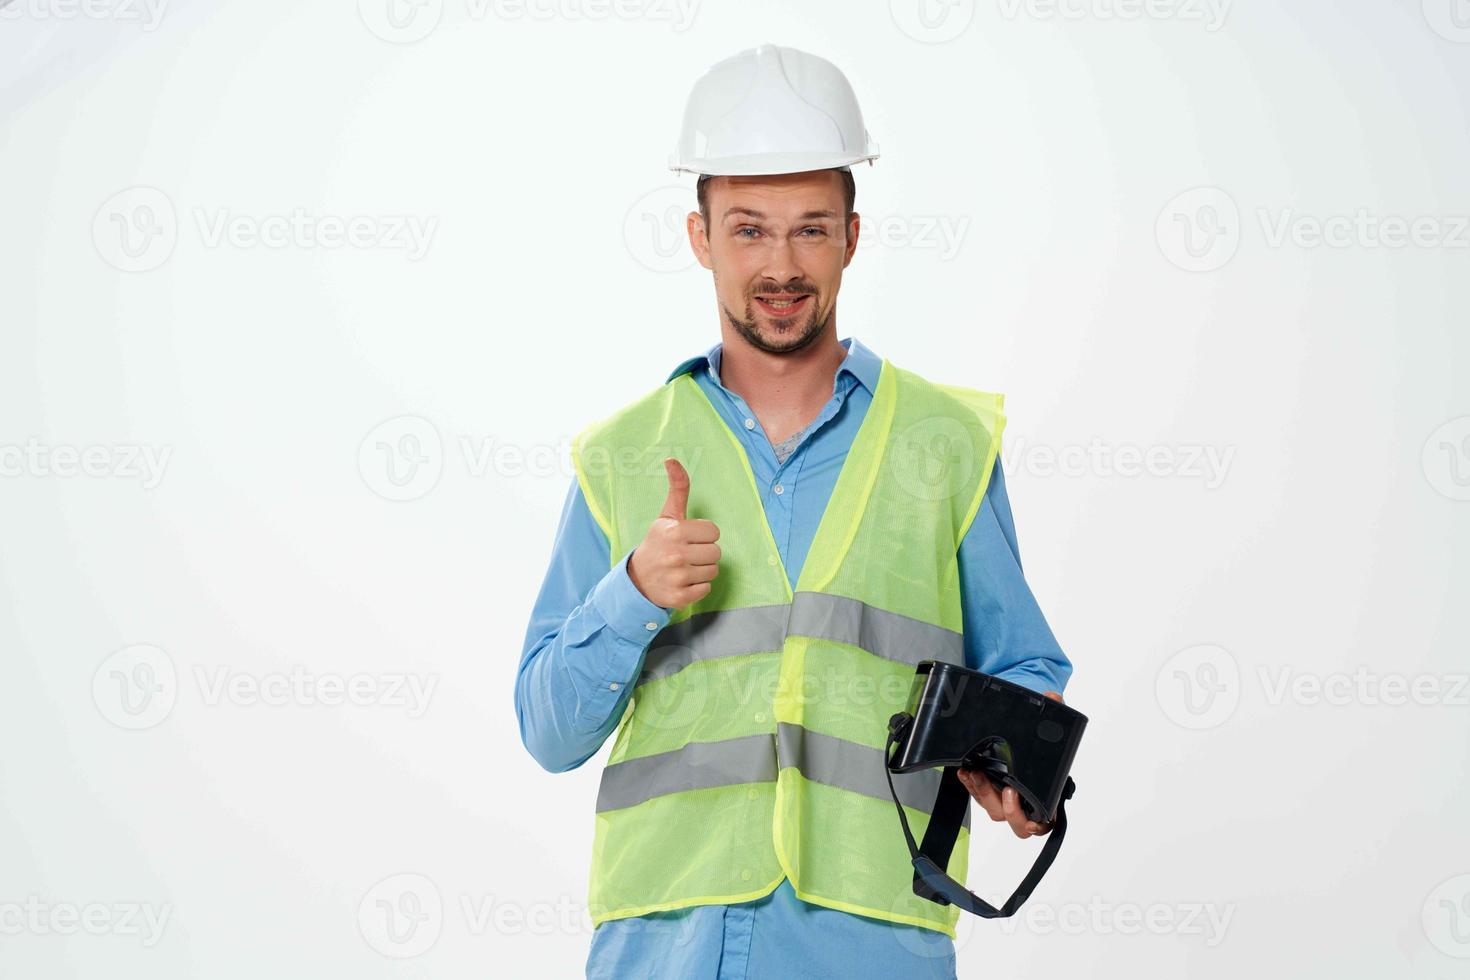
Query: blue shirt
[584,651]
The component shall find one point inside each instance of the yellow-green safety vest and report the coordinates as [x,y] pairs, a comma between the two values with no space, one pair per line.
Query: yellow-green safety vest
[751,748]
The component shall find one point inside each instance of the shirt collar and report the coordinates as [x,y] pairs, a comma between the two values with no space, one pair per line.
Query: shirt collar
[860,362]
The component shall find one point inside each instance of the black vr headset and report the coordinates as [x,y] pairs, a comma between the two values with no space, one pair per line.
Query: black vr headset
[962,719]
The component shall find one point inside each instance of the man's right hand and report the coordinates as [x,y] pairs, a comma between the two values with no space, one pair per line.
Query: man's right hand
[677,559]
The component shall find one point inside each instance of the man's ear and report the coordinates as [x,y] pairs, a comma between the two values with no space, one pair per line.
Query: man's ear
[854,225]
[698,238]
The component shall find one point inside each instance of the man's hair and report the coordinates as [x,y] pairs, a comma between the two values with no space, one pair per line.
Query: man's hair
[849,193]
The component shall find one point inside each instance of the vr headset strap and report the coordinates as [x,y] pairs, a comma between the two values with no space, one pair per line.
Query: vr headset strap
[932,857]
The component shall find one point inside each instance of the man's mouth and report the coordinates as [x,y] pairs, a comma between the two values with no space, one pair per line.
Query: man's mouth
[782,306]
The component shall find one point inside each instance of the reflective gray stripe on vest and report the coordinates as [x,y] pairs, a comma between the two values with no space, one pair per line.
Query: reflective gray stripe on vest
[698,765]
[753,759]
[890,635]
[707,636]
[854,767]
[759,629]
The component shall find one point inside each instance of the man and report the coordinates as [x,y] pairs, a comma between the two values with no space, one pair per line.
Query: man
[750,563]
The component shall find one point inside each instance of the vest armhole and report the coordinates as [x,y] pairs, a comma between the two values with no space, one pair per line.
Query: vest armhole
[989,409]
[591,499]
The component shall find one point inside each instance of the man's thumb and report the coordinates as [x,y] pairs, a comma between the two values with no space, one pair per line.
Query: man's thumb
[676,504]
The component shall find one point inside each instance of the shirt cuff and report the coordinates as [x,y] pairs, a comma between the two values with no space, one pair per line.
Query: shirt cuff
[628,613]
[1033,676]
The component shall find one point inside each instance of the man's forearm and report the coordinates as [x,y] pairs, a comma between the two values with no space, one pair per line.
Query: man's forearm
[584,645]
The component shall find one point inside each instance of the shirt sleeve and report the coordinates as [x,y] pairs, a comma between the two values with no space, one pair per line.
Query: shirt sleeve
[584,645]
[1005,631]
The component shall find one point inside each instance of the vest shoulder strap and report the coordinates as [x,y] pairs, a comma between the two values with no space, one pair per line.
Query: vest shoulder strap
[594,448]
[989,405]
[989,408]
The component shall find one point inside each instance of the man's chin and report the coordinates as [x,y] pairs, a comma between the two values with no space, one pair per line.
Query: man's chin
[778,340]
[781,332]
[776,335]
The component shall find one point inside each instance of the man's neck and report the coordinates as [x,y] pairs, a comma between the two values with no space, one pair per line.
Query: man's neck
[786,391]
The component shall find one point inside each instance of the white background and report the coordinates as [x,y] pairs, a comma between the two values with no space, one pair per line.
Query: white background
[1323,832]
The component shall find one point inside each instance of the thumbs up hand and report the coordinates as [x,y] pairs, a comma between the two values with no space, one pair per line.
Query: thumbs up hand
[678,558]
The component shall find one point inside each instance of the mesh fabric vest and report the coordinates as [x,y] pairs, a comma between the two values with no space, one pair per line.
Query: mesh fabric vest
[752,746]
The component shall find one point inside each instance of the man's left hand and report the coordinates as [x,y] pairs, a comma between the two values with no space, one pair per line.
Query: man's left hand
[1003,804]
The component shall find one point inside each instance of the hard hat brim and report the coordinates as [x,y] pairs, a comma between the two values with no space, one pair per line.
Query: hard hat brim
[768,164]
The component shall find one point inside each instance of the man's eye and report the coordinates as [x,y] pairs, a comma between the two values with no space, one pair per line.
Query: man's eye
[816,232]
[740,232]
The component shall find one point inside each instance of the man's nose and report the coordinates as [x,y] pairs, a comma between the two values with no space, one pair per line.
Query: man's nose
[780,265]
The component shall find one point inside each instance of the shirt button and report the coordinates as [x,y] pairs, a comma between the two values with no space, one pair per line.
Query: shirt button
[780,489]
[750,423]
[760,716]
[770,559]
[650,626]
[613,686]
[751,794]
[745,875]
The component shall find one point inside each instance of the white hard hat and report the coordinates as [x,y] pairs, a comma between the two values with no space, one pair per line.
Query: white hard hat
[771,110]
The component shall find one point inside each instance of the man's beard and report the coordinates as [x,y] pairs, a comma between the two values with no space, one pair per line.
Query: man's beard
[800,335]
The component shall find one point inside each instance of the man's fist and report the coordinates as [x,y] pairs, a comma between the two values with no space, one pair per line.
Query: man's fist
[677,559]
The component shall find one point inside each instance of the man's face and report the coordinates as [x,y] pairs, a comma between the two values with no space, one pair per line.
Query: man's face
[777,246]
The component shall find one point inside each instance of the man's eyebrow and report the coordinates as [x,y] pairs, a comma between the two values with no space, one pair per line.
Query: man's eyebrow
[806,216]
